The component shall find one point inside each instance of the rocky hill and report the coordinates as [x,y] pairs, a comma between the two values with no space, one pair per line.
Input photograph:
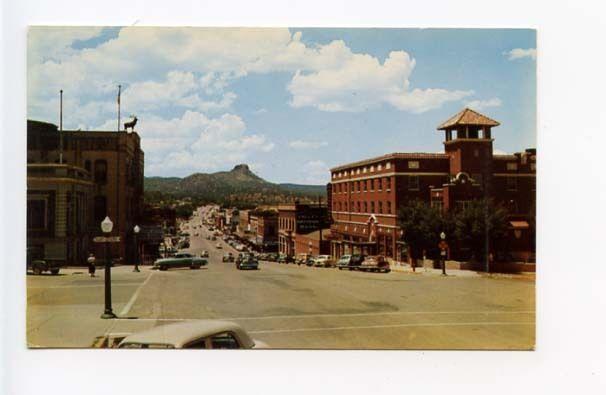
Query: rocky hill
[240,186]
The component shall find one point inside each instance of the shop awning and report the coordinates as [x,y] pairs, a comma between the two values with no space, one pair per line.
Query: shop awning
[519,224]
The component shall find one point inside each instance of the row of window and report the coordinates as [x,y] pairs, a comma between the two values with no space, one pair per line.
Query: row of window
[100,172]
[364,207]
[364,185]
[362,170]
[286,223]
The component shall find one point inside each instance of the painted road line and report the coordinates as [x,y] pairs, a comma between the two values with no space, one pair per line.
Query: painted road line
[343,315]
[341,328]
[133,299]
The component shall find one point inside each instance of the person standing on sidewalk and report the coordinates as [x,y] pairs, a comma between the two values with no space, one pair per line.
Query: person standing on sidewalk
[91,264]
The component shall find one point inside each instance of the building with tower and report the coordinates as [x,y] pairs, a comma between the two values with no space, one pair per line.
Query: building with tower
[365,195]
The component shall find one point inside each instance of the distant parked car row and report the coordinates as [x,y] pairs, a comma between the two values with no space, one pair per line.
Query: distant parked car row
[370,263]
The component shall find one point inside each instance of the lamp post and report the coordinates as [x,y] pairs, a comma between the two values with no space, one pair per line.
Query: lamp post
[106,226]
[443,247]
[136,231]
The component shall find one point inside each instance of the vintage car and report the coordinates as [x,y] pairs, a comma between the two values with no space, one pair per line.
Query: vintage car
[229,257]
[195,334]
[375,263]
[181,259]
[323,261]
[218,246]
[247,261]
[351,262]
[283,258]
[204,254]
[38,265]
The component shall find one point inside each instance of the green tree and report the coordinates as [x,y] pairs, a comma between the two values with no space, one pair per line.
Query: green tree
[422,225]
[479,224]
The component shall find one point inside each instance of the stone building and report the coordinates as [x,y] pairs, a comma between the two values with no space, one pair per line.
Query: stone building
[113,164]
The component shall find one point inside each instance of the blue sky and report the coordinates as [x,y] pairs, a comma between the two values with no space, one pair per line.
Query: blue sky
[289,102]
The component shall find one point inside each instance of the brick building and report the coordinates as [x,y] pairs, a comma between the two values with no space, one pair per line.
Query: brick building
[313,243]
[298,219]
[114,163]
[365,195]
[266,229]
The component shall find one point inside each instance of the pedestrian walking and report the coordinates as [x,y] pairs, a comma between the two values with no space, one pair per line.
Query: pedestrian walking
[91,264]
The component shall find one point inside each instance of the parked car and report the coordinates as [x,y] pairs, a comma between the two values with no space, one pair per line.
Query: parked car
[37,265]
[375,263]
[283,258]
[229,257]
[351,262]
[218,246]
[324,261]
[247,261]
[271,257]
[204,254]
[196,334]
[181,259]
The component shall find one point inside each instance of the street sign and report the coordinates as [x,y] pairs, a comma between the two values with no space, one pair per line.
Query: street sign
[103,239]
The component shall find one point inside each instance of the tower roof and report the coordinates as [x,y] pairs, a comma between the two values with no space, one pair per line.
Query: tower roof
[468,117]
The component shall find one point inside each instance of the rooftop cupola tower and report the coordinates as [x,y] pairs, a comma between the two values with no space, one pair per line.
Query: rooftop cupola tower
[468,142]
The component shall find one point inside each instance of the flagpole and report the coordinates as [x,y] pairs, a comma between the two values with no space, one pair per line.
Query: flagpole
[119,91]
[61,126]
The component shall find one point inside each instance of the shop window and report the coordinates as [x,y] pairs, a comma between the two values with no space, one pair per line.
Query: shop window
[413,183]
[101,171]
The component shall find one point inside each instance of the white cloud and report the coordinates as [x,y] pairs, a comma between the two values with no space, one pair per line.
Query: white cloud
[302,144]
[481,104]
[361,82]
[194,142]
[315,172]
[520,53]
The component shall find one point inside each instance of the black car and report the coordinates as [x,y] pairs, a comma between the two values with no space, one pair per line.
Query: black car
[37,265]
[247,261]
[351,262]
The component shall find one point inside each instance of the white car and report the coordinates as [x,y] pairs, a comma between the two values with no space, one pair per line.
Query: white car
[324,261]
[195,334]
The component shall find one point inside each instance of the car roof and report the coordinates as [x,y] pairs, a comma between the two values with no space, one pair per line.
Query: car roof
[181,333]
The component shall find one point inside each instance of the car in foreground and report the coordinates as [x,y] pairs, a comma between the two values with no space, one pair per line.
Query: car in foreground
[181,259]
[247,261]
[324,261]
[375,263]
[39,266]
[195,334]
[351,262]
[229,257]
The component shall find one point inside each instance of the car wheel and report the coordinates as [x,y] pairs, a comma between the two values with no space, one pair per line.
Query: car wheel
[55,271]
[37,270]
[163,268]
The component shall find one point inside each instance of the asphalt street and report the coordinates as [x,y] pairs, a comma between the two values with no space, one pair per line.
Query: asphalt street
[290,306]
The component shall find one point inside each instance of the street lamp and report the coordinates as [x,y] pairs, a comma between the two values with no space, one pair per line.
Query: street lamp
[106,226]
[443,247]
[136,231]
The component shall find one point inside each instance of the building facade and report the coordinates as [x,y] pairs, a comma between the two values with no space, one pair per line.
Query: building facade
[365,195]
[114,162]
[297,219]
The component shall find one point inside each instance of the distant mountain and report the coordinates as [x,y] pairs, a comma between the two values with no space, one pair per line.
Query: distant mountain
[240,186]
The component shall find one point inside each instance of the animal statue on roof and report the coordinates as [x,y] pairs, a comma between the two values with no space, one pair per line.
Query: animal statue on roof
[130,124]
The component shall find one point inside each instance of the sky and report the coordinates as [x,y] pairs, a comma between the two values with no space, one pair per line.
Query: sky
[291,103]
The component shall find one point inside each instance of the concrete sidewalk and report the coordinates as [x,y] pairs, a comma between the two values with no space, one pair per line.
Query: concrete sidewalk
[426,271]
